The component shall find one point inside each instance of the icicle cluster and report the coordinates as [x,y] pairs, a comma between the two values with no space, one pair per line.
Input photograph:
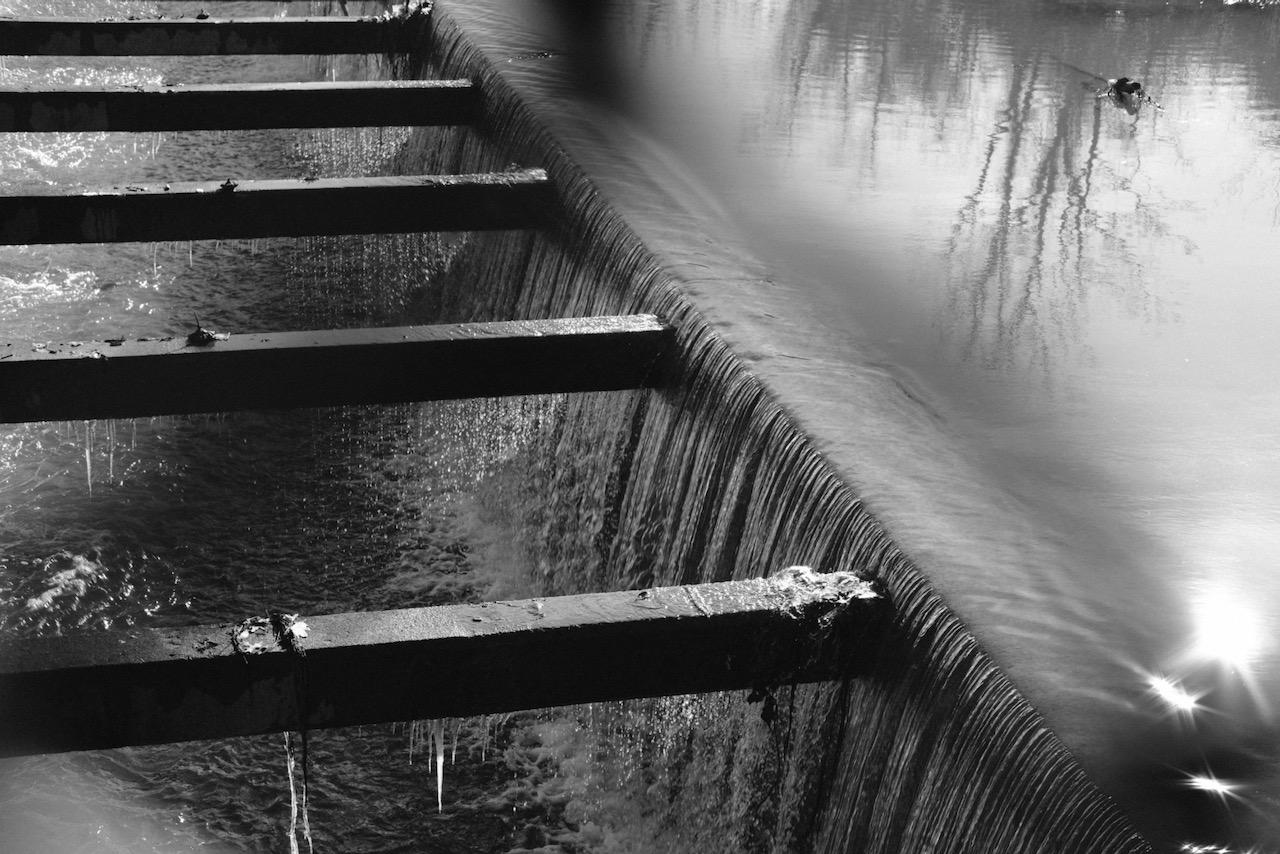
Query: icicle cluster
[431,735]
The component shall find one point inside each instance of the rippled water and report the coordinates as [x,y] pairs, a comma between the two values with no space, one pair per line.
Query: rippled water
[1081,292]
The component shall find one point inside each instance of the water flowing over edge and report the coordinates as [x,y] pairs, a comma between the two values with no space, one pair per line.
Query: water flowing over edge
[936,750]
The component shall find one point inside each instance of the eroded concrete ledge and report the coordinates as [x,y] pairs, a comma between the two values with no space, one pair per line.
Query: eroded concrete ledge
[211,210]
[99,690]
[274,370]
[70,36]
[244,106]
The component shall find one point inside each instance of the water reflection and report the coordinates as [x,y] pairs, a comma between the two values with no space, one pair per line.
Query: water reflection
[1227,631]
[1047,213]
[1172,693]
[1083,287]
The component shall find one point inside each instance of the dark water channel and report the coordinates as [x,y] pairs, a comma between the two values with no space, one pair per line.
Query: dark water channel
[1080,293]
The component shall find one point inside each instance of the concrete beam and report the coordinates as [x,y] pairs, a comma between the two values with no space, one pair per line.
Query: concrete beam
[280,208]
[273,370]
[145,686]
[49,36]
[241,106]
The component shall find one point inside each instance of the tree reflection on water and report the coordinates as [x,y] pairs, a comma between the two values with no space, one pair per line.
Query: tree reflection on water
[1059,220]
[1029,249]
[1086,289]
[1088,285]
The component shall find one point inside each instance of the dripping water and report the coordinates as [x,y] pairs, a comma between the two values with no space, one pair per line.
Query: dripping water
[296,805]
[88,451]
[437,735]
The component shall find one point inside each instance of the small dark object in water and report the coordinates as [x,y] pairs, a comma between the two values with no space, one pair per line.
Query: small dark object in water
[202,15]
[1125,86]
[227,186]
[1128,93]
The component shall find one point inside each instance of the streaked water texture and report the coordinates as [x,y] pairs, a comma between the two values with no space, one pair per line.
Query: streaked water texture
[1081,292]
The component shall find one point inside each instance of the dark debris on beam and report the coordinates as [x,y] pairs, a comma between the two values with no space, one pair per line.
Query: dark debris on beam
[240,106]
[144,686]
[516,199]
[50,36]
[273,370]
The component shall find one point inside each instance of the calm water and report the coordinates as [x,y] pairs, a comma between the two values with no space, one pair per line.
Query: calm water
[1083,295]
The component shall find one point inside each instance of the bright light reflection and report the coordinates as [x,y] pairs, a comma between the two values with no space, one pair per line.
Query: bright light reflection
[1174,695]
[1211,784]
[1227,630]
[1194,848]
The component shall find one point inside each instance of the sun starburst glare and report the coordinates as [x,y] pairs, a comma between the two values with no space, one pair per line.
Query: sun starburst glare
[1227,630]
[1174,695]
[1196,848]
[1212,785]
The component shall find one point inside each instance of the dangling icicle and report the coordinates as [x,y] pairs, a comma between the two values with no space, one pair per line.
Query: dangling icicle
[293,795]
[437,732]
[111,450]
[88,449]
[306,815]
[294,800]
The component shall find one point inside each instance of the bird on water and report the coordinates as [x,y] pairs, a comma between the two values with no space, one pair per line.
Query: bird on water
[1123,91]
[1125,86]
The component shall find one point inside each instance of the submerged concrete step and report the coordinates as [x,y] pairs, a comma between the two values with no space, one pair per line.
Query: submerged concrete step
[146,686]
[273,370]
[69,36]
[240,107]
[523,198]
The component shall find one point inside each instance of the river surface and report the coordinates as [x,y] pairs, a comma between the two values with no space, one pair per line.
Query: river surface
[1083,291]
